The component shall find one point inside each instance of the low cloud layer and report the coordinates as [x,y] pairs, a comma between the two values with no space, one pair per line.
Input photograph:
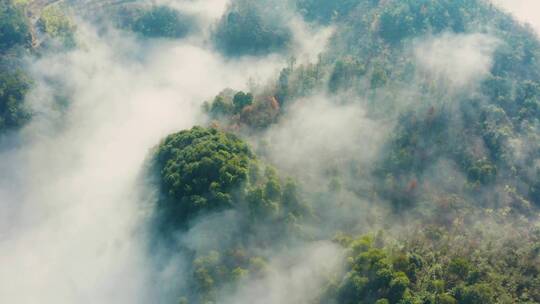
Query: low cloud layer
[320,133]
[295,277]
[458,61]
[70,212]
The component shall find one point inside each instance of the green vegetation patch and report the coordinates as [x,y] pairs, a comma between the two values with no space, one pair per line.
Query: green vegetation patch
[249,29]
[13,26]
[199,170]
[157,21]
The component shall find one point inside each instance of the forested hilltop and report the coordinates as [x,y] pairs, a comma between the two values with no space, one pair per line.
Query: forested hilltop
[456,178]
[400,164]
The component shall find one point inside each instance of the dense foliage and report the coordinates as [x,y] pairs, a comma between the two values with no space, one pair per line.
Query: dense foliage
[459,163]
[248,28]
[155,21]
[325,11]
[200,169]
[371,56]
[13,88]
[14,29]
[204,171]
[439,267]
[14,83]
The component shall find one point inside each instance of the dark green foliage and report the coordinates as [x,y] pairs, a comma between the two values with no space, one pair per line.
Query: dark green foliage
[205,171]
[478,293]
[445,299]
[326,11]
[482,171]
[402,19]
[346,73]
[14,82]
[459,268]
[157,22]
[199,170]
[13,88]
[396,23]
[372,277]
[248,29]
[14,29]
[242,100]
[423,270]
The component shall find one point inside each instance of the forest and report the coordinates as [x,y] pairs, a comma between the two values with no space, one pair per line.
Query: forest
[272,152]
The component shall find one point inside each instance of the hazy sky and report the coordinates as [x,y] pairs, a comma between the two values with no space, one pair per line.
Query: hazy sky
[525,10]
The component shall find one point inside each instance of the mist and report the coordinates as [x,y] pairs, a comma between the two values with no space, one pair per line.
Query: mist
[72,212]
[296,276]
[457,61]
[382,153]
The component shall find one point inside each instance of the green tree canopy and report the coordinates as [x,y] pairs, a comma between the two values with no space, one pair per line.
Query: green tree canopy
[244,30]
[13,88]
[242,100]
[157,22]
[13,26]
[199,170]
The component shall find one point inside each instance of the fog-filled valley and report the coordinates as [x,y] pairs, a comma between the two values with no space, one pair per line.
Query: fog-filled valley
[273,151]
